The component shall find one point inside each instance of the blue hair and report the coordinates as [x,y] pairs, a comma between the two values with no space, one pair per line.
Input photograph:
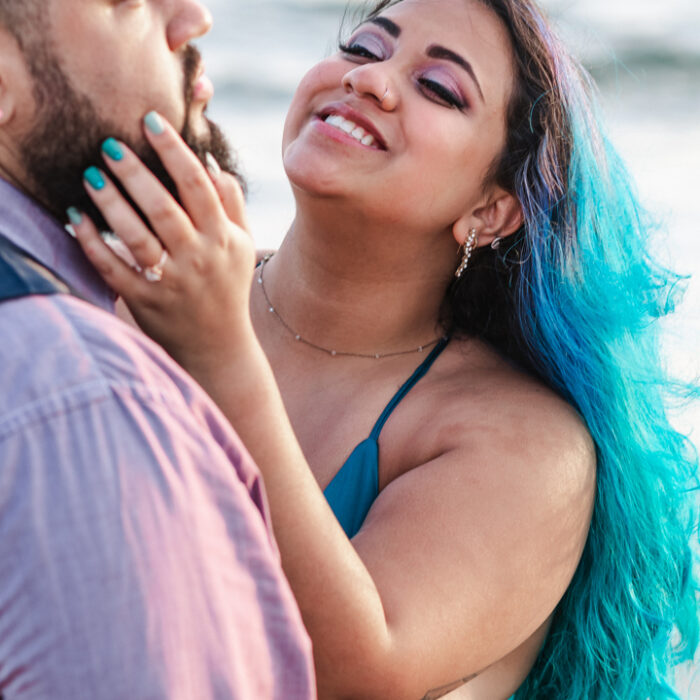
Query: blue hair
[586,296]
[588,300]
[575,298]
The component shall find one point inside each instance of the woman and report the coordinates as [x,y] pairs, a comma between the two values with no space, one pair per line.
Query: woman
[518,515]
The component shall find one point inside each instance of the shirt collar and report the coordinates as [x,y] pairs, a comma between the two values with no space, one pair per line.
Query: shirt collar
[26,224]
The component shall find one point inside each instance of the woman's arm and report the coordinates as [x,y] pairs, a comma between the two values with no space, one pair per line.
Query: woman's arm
[460,559]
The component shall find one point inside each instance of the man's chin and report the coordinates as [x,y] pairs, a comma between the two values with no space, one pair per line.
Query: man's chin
[200,133]
[199,126]
[212,142]
[57,172]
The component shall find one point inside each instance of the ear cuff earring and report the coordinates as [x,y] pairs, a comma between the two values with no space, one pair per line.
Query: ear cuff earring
[469,247]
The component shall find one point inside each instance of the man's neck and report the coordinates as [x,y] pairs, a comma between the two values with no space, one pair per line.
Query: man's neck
[29,225]
[16,176]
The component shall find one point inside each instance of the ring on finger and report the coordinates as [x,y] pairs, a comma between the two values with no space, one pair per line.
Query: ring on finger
[154,273]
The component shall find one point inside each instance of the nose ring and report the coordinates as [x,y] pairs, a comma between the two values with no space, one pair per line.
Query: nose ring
[386,92]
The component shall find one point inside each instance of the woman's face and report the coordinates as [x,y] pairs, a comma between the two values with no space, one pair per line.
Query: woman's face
[406,119]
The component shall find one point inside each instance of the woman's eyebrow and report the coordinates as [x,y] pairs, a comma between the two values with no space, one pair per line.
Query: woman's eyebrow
[387,25]
[441,52]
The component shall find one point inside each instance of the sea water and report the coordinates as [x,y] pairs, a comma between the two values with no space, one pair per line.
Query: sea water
[644,55]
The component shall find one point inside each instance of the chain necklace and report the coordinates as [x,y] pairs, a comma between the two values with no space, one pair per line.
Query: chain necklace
[328,351]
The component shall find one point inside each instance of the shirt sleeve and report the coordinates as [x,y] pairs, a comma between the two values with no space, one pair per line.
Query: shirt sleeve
[135,561]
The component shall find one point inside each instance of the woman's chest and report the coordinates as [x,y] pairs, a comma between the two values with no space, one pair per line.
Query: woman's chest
[332,415]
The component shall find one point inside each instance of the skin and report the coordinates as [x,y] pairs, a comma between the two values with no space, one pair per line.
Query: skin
[487,478]
[131,35]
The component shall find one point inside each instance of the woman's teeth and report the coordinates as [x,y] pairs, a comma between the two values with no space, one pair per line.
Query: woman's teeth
[350,128]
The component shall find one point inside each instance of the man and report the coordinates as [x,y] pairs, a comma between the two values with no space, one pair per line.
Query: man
[136,555]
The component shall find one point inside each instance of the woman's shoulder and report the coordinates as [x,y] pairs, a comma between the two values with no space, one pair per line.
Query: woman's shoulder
[481,382]
[516,417]
[502,422]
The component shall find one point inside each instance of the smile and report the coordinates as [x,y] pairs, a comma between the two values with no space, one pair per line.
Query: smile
[342,122]
[350,128]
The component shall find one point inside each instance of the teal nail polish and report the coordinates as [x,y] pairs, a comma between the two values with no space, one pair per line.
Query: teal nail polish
[74,216]
[112,149]
[154,123]
[94,178]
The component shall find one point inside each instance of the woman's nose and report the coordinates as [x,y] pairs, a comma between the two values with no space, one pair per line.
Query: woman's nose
[371,81]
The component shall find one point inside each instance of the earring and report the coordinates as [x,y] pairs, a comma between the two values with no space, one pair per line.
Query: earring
[469,246]
[496,243]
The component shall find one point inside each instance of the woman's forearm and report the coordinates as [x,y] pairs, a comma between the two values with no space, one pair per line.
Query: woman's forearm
[338,598]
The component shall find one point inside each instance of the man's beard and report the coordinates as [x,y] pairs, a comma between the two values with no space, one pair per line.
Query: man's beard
[68,135]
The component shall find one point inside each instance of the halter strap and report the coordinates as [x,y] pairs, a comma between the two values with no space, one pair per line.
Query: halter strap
[420,372]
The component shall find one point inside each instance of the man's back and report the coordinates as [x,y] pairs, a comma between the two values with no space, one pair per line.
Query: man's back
[136,555]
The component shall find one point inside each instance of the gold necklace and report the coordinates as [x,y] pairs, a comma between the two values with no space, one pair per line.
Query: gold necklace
[328,351]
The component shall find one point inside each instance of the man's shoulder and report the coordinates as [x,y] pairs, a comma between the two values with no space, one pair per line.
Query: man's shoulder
[59,346]
[63,357]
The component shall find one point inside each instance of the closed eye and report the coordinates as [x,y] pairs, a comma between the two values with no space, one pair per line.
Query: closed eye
[359,51]
[442,94]
[366,44]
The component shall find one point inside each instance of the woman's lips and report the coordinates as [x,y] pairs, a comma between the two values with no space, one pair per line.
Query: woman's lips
[341,136]
[343,116]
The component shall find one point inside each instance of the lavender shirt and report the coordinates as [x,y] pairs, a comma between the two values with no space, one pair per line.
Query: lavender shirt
[136,556]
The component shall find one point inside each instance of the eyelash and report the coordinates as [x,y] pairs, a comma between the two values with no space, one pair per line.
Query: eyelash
[358,50]
[436,90]
[442,93]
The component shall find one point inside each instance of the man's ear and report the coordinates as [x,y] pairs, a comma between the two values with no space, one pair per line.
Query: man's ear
[5,97]
[499,217]
[13,75]
[5,102]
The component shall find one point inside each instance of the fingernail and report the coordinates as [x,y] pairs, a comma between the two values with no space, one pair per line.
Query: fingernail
[74,216]
[112,149]
[154,123]
[94,178]
[212,166]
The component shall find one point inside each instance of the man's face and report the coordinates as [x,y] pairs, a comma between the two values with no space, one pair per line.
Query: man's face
[101,66]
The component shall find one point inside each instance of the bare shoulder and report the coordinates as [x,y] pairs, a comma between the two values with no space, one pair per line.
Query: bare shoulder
[528,435]
[502,427]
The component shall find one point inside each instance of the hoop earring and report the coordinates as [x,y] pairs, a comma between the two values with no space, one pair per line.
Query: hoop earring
[469,246]
[496,243]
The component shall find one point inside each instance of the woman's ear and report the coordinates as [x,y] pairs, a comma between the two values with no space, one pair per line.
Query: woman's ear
[498,218]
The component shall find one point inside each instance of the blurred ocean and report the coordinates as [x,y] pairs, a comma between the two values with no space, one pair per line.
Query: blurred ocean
[644,54]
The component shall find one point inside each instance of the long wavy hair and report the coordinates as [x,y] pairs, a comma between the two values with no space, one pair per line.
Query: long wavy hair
[574,298]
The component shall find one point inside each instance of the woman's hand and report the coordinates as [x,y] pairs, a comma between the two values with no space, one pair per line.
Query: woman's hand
[198,310]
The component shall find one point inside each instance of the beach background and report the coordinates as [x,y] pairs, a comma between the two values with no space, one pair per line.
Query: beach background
[644,54]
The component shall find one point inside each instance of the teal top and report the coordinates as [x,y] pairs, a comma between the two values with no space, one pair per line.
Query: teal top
[356,486]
